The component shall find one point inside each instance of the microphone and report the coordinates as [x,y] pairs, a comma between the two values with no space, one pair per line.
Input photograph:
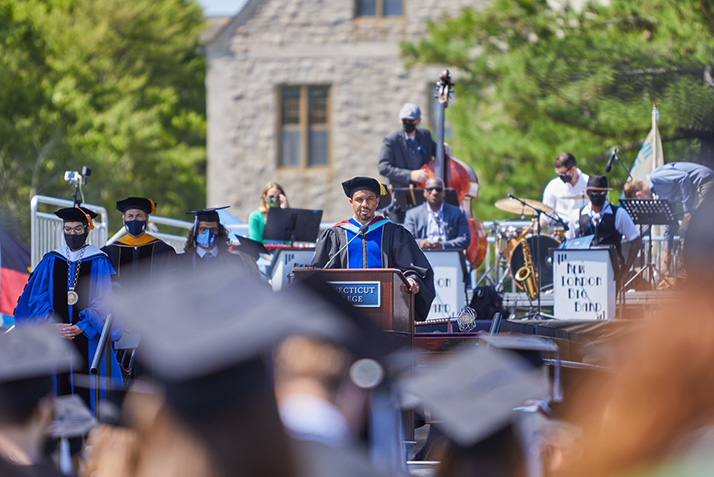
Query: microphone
[612,158]
[362,232]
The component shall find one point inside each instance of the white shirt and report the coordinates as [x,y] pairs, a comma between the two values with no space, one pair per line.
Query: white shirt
[556,195]
[203,252]
[435,224]
[623,222]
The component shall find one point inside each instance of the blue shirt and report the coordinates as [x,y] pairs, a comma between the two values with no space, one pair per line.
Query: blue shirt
[680,182]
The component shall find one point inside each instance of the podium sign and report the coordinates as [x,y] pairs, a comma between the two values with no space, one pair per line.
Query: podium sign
[285,262]
[583,284]
[448,282]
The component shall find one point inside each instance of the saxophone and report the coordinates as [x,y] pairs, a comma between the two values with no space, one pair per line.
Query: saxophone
[526,277]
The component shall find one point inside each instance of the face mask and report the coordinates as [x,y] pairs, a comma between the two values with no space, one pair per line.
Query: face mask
[135,227]
[75,242]
[598,200]
[207,239]
[565,178]
[272,202]
[409,127]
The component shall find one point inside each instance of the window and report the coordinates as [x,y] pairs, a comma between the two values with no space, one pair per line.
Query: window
[379,8]
[305,126]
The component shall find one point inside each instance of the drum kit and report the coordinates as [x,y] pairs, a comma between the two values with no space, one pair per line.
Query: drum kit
[511,241]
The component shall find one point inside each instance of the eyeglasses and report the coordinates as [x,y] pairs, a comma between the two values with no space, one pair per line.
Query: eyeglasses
[597,192]
[212,229]
[272,197]
[438,190]
[76,230]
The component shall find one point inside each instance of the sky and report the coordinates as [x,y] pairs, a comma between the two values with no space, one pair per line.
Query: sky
[221,7]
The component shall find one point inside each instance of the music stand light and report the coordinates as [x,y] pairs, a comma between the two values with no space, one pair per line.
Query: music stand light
[292,225]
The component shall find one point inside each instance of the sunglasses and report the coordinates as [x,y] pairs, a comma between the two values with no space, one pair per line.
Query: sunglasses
[438,190]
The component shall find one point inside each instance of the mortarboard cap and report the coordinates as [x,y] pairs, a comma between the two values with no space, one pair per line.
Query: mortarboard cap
[34,351]
[141,203]
[77,214]
[364,183]
[410,111]
[73,418]
[251,247]
[208,215]
[473,395]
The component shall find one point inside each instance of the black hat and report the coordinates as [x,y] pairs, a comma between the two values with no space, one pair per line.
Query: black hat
[77,214]
[141,203]
[363,183]
[598,183]
[248,246]
[34,351]
[473,393]
[208,215]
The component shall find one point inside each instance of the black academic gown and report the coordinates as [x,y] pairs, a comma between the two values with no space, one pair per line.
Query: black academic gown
[146,257]
[399,250]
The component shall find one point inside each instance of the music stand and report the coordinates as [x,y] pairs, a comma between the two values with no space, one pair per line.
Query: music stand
[649,212]
[292,225]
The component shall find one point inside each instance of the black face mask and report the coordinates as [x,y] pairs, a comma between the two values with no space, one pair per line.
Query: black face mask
[408,127]
[598,200]
[565,178]
[75,242]
[135,227]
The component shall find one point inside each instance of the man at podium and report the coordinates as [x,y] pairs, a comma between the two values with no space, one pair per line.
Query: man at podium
[607,224]
[368,240]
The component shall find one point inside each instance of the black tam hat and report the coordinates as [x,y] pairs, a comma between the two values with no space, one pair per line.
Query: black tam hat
[363,183]
[207,215]
[141,203]
[77,214]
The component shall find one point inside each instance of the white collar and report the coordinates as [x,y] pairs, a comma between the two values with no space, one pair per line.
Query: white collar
[203,252]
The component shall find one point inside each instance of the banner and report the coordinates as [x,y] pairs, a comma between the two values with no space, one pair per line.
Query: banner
[651,155]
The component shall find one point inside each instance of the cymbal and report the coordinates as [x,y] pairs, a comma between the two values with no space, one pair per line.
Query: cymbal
[515,207]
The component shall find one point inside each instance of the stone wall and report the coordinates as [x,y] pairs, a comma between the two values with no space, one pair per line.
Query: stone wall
[289,42]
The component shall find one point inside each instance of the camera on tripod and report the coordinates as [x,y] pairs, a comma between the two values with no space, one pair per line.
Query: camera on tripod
[75,178]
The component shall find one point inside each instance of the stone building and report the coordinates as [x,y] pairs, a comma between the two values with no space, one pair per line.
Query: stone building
[302,92]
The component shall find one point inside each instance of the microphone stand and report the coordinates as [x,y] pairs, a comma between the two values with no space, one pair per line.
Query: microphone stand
[535,253]
[617,156]
[362,231]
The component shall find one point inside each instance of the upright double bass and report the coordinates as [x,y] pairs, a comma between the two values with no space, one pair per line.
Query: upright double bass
[457,175]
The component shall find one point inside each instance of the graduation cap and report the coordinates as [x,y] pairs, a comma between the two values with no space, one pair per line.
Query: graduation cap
[141,203]
[473,395]
[33,351]
[251,247]
[208,215]
[533,349]
[29,357]
[205,336]
[367,183]
[77,214]
[73,418]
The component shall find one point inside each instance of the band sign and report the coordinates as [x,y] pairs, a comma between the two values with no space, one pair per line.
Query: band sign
[364,294]
[584,285]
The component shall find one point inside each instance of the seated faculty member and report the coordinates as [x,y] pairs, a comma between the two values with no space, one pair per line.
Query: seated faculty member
[435,224]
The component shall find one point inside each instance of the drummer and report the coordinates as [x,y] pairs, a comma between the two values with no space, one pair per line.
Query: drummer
[607,224]
[566,193]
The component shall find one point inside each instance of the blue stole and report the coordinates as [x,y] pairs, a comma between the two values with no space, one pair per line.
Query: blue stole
[373,238]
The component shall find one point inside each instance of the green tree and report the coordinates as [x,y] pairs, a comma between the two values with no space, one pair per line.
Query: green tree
[534,80]
[115,85]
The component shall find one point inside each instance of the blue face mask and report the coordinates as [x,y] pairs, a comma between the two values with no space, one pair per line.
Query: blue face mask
[135,227]
[206,239]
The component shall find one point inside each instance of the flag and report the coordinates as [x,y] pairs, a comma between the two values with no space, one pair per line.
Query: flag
[651,155]
[14,272]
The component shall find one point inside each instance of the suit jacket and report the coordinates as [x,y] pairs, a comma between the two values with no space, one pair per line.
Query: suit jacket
[456,226]
[395,160]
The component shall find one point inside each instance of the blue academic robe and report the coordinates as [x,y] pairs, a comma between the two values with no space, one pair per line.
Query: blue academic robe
[45,299]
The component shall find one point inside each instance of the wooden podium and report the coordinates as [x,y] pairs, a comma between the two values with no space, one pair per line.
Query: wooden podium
[393,309]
